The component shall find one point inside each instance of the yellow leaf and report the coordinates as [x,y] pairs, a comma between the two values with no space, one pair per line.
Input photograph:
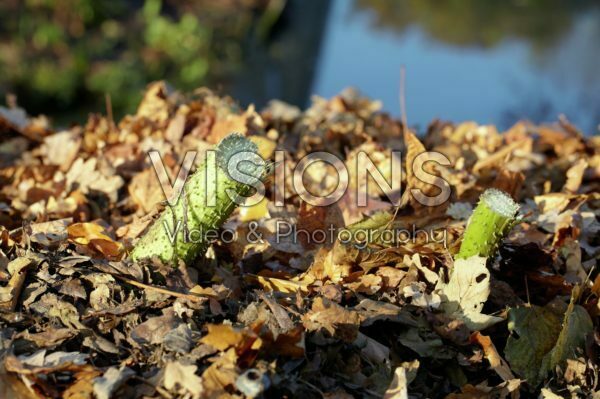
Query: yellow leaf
[265,146]
[219,375]
[280,285]
[254,212]
[222,336]
[83,233]
[95,237]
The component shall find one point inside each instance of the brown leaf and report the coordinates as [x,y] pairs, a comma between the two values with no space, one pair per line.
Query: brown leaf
[110,381]
[220,375]
[497,363]
[145,190]
[501,156]
[178,375]
[51,233]
[83,388]
[223,336]
[94,236]
[50,337]
[334,319]
[87,176]
[414,148]
[282,285]
[61,149]
[9,295]
[226,124]
[509,182]
[318,225]
[575,176]
[155,105]
[154,329]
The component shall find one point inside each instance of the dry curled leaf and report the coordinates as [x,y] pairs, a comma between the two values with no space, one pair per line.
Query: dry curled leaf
[95,237]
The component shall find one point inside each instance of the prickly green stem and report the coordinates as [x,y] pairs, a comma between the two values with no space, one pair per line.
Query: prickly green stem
[184,231]
[491,220]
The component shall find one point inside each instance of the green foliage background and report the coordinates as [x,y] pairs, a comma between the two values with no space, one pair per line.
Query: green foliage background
[60,54]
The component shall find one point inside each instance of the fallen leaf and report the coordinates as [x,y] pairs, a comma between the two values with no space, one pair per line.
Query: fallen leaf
[254,212]
[223,336]
[179,339]
[220,374]
[83,386]
[464,295]
[403,376]
[575,176]
[154,329]
[85,176]
[180,376]
[51,233]
[106,385]
[332,318]
[281,285]
[94,236]
[498,364]
[227,124]
[399,387]
[155,105]
[266,146]
[61,149]
[539,341]
[44,362]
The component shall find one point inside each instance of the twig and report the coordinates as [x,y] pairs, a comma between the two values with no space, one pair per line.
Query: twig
[308,384]
[191,297]
[403,98]
[404,120]
[109,112]
[527,291]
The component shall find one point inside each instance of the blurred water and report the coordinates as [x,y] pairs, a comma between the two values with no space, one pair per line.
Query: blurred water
[514,78]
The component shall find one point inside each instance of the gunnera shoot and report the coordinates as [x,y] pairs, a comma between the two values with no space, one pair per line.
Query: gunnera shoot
[492,219]
[208,198]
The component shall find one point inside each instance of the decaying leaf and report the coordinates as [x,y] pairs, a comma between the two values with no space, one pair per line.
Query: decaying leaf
[497,364]
[106,385]
[9,294]
[154,329]
[42,361]
[94,236]
[333,319]
[50,233]
[465,293]
[543,338]
[403,376]
[179,376]
[221,374]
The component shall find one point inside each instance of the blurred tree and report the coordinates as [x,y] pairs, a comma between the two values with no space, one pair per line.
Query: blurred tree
[64,55]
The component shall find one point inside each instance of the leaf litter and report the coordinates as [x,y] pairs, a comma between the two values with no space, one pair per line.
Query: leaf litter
[296,319]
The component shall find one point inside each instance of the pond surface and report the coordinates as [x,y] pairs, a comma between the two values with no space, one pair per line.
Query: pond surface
[483,60]
[492,64]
